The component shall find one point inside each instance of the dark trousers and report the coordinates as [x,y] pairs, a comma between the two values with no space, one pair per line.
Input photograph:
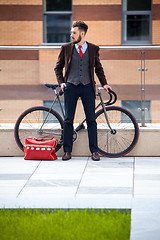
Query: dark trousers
[71,95]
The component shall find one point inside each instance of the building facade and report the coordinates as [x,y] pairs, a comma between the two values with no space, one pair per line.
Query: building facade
[32,32]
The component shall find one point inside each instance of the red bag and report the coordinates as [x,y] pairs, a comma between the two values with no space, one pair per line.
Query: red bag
[40,149]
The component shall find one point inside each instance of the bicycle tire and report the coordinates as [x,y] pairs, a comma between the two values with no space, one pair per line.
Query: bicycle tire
[30,122]
[123,138]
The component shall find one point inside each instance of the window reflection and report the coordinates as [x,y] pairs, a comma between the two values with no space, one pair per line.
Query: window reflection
[137,22]
[57,21]
[58,28]
[139,5]
[58,5]
[137,27]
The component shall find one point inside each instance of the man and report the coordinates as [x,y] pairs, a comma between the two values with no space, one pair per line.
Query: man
[79,58]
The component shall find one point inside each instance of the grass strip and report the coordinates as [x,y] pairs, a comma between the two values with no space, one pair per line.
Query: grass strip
[41,224]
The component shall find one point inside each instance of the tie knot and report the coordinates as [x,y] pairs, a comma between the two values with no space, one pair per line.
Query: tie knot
[80,47]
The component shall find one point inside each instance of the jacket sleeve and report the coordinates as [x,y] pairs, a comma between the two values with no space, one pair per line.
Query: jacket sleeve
[99,69]
[59,66]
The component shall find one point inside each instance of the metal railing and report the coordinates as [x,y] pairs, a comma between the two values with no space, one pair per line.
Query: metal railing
[142,67]
[51,47]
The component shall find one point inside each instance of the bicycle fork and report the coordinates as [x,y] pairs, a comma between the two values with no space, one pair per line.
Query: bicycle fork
[113,131]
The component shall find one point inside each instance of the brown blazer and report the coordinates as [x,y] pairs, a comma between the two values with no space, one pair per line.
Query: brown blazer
[64,61]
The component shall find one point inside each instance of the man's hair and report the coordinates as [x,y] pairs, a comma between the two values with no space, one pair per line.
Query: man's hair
[81,25]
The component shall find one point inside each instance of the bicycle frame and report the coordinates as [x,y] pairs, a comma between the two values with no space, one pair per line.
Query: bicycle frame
[81,126]
[59,102]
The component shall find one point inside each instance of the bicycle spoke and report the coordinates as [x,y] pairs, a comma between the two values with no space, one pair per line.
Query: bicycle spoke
[122,136]
[38,122]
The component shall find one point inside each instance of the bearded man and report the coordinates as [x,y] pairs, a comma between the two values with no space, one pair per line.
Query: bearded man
[80,59]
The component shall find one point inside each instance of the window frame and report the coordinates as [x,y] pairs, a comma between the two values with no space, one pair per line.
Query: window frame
[53,13]
[124,26]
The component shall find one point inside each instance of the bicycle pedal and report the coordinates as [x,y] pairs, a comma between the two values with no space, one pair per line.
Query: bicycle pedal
[81,126]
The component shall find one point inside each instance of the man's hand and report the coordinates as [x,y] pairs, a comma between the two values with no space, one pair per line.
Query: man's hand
[63,85]
[107,87]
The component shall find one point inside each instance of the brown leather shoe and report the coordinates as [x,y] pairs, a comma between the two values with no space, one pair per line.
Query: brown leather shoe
[66,156]
[95,156]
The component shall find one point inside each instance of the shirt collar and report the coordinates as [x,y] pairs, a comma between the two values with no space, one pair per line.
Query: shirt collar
[84,46]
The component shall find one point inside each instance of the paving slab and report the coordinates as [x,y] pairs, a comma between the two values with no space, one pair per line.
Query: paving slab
[123,183]
[78,183]
[146,199]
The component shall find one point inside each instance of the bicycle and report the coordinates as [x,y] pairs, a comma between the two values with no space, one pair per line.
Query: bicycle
[117,129]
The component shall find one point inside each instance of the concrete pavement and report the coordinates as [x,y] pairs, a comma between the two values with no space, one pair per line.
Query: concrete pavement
[123,183]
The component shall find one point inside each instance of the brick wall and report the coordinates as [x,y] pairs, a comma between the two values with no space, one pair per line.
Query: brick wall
[21,22]
[104,20]
[25,71]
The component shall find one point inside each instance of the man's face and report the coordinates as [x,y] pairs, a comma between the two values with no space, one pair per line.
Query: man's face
[76,35]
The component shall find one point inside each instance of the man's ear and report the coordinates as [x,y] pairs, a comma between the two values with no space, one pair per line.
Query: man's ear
[82,33]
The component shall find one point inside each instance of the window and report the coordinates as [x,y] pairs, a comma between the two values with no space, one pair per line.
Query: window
[57,19]
[56,106]
[135,108]
[136,22]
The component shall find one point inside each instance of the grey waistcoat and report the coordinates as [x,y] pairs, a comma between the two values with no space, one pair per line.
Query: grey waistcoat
[79,70]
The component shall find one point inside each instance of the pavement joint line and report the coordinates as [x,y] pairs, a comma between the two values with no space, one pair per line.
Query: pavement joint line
[28,180]
[82,176]
[134,169]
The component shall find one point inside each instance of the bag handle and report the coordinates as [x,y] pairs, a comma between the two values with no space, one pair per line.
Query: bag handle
[48,137]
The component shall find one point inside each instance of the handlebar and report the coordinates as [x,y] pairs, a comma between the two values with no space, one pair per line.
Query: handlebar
[112,96]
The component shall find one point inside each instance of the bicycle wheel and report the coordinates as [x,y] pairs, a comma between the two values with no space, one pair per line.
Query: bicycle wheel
[121,137]
[38,122]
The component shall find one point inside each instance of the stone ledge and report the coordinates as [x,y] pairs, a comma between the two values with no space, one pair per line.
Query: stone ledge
[148,143]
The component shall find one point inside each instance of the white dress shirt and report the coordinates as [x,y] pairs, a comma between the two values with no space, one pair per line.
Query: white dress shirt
[84,47]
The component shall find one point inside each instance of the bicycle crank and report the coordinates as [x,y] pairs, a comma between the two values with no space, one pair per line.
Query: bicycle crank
[74,136]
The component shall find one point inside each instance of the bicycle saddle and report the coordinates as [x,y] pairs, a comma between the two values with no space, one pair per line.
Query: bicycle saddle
[53,86]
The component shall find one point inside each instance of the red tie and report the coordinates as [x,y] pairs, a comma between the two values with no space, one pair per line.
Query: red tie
[80,51]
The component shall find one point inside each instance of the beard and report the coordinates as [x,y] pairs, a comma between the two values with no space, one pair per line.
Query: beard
[78,40]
